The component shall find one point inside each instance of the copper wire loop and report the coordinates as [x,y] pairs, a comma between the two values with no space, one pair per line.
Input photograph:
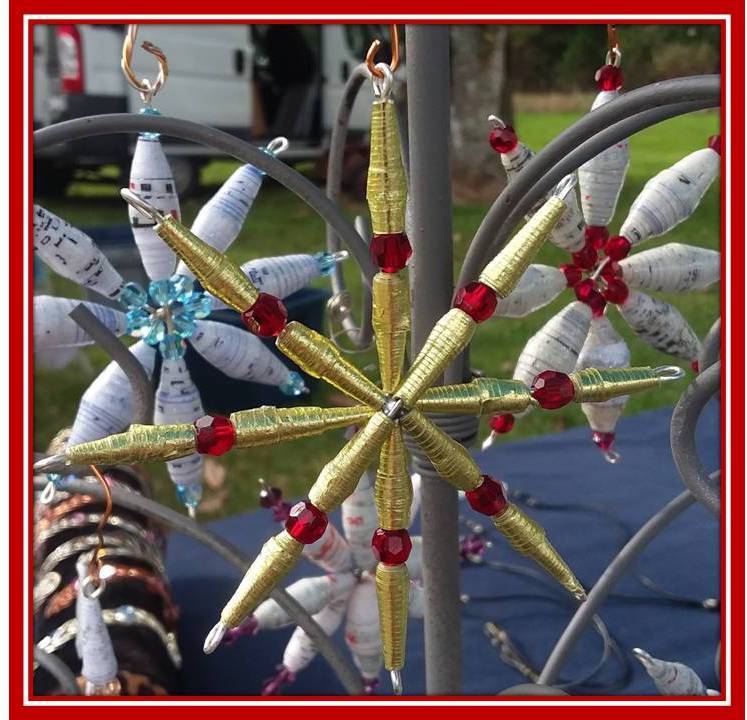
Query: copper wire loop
[371,54]
[145,87]
[612,40]
[108,509]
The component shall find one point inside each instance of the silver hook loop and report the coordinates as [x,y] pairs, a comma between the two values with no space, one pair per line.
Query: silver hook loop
[495,122]
[669,373]
[612,456]
[91,588]
[47,495]
[565,186]
[277,145]
[382,87]
[141,205]
[614,57]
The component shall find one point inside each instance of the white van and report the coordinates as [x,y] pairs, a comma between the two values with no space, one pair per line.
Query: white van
[253,81]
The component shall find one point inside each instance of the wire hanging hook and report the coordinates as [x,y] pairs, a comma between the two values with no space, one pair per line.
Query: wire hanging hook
[95,566]
[371,54]
[145,87]
[614,53]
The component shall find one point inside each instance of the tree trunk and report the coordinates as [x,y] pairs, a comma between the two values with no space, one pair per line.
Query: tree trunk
[480,87]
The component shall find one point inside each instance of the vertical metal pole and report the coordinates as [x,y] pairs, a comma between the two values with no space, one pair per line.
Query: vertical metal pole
[432,284]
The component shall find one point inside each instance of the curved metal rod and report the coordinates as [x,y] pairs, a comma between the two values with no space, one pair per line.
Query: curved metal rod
[81,128]
[142,389]
[682,436]
[359,335]
[711,351]
[703,89]
[347,675]
[614,571]
[58,670]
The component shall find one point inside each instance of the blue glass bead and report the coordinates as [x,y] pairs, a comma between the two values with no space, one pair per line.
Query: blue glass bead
[189,495]
[133,296]
[172,347]
[149,135]
[198,305]
[155,332]
[183,324]
[56,479]
[138,322]
[326,262]
[293,386]
[183,286]
[162,292]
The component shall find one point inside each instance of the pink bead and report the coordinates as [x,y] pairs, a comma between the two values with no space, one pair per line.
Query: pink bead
[603,440]
[714,142]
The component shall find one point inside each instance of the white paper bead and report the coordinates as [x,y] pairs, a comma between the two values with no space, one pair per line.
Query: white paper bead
[673,267]
[538,286]
[362,633]
[359,520]
[54,328]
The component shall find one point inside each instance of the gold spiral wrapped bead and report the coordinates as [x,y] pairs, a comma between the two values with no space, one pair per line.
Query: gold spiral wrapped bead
[391,323]
[141,443]
[592,385]
[393,491]
[450,335]
[340,475]
[268,425]
[504,271]
[481,396]
[320,358]
[451,460]
[528,537]
[217,274]
[276,558]
[393,595]
[386,190]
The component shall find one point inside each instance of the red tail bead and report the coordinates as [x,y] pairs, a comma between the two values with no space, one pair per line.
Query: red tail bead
[502,424]
[587,293]
[477,300]
[573,274]
[391,547]
[609,77]
[503,139]
[596,235]
[616,291]
[695,365]
[603,440]
[585,258]
[306,522]
[214,434]
[552,390]
[488,498]
[267,317]
[617,248]
[391,251]
[714,142]
[610,270]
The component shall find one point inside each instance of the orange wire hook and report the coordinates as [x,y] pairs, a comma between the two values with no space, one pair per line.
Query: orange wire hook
[109,508]
[371,54]
[612,40]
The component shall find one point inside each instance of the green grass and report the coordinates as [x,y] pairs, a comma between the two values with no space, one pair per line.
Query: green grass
[280,223]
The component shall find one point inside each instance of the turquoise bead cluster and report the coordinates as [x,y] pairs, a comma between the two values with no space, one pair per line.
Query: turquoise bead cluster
[165,315]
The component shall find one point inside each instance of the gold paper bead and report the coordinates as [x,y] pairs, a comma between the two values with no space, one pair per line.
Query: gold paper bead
[393,595]
[320,358]
[450,335]
[268,425]
[276,558]
[340,475]
[504,271]
[528,538]
[451,460]
[482,396]
[141,443]
[393,490]
[386,189]
[391,323]
[593,385]
[216,273]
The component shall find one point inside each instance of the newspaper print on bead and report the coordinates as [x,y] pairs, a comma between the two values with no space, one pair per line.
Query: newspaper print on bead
[539,285]
[672,268]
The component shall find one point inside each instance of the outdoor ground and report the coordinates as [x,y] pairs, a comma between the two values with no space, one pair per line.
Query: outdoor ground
[280,223]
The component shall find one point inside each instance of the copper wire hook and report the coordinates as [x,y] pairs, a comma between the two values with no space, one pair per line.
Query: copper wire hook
[146,89]
[371,54]
[108,509]
[612,40]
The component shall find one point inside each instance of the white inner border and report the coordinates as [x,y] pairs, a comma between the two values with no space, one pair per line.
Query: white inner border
[726,394]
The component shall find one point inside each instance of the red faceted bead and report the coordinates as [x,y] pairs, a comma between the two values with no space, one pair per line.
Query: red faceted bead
[391,251]
[609,77]
[503,139]
[617,247]
[695,365]
[603,440]
[478,300]
[488,497]
[610,270]
[585,258]
[596,236]
[392,547]
[616,291]
[587,293]
[502,424]
[306,522]
[714,142]
[215,434]
[267,317]
[552,390]
[573,274]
